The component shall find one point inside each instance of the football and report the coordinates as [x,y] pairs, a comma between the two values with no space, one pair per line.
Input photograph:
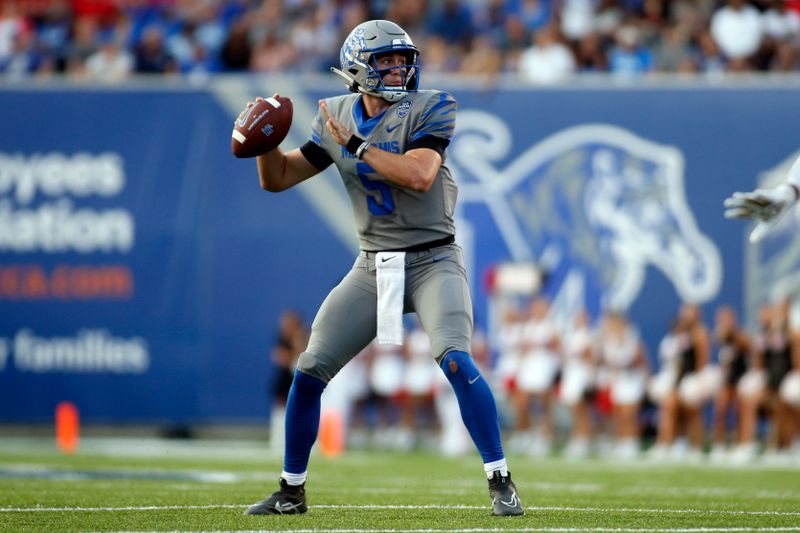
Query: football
[261,127]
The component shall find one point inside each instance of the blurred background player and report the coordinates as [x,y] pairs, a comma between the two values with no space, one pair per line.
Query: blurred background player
[534,393]
[290,342]
[419,385]
[773,358]
[765,205]
[388,142]
[387,369]
[625,359]
[733,346]
[681,410]
[577,382]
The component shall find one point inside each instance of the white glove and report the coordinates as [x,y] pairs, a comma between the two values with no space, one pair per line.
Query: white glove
[764,205]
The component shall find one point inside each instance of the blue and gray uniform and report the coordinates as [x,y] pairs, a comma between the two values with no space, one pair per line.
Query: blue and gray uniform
[391,218]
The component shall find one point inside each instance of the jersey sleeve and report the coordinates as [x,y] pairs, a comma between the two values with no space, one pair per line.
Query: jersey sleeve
[312,150]
[438,119]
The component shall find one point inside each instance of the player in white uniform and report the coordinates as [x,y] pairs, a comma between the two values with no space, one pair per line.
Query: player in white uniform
[623,354]
[577,379]
[765,205]
[388,141]
[536,375]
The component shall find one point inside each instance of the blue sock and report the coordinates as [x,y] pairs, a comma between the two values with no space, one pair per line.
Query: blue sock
[476,402]
[302,421]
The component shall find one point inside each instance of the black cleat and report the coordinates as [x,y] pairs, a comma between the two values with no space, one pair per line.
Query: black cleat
[291,499]
[505,500]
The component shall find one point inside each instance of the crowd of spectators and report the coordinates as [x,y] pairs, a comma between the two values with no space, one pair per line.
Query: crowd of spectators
[543,41]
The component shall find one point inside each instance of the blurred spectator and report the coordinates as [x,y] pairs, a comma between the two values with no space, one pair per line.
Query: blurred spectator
[490,20]
[781,36]
[737,29]
[534,14]
[516,41]
[197,38]
[653,22]
[271,54]
[452,20]
[437,56]
[111,63]
[628,59]
[312,37]
[82,45]
[53,33]
[236,51]
[483,58]
[608,17]
[712,62]
[590,56]
[151,55]
[674,52]
[577,19]
[19,58]
[548,60]
[409,14]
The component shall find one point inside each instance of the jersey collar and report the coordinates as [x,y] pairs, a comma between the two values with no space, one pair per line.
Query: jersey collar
[364,123]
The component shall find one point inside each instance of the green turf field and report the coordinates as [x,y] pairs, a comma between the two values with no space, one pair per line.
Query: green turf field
[125,486]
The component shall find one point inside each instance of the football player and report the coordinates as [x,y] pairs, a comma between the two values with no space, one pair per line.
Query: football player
[388,142]
[765,205]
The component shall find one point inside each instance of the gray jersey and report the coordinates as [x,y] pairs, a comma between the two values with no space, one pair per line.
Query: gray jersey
[387,216]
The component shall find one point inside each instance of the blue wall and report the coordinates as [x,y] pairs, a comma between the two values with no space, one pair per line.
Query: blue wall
[187,304]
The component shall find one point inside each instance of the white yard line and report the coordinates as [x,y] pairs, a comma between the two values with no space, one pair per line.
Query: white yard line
[391,506]
[519,529]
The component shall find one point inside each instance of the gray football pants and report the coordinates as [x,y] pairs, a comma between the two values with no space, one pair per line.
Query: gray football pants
[436,289]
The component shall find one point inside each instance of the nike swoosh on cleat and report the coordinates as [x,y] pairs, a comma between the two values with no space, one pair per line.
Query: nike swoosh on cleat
[283,507]
[473,380]
[512,502]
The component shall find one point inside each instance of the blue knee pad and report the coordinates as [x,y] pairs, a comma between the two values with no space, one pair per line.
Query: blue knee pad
[476,402]
[302,421]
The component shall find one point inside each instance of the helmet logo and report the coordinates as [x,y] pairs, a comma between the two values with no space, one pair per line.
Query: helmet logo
[352,48]
[403,109]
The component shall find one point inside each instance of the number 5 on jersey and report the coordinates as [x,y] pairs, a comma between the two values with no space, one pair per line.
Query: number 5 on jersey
[381,201]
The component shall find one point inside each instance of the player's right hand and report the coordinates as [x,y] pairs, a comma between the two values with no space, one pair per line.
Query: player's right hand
[251,104]
[764,205]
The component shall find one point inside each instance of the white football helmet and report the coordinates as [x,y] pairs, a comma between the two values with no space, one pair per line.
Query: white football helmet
[358,60]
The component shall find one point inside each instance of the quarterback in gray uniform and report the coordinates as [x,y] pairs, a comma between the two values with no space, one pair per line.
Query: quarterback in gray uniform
[388,141]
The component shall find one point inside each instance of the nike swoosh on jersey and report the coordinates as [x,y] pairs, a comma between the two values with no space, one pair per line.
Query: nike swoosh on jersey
[473,380]
[390,129]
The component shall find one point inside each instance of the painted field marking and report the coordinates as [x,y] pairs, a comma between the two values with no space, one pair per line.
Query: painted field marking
[392,506]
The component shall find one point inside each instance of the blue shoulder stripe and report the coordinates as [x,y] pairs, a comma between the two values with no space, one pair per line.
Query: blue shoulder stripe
[439,107]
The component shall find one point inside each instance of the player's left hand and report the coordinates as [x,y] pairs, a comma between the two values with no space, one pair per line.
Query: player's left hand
[764,205]
[338,130]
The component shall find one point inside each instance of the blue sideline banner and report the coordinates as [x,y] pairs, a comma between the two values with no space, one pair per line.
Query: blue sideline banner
[142,268]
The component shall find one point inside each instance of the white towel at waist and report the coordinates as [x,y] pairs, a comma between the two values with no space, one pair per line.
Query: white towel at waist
[391,280]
